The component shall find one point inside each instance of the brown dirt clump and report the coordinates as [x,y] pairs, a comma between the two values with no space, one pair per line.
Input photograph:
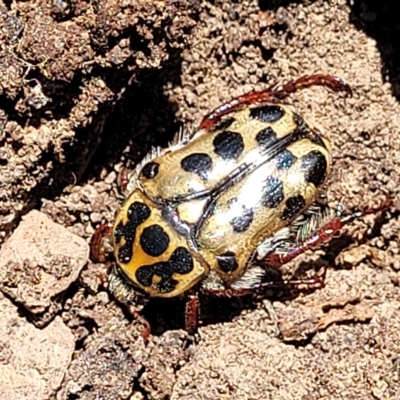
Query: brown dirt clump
[38,265]
[87,88]
[33,361]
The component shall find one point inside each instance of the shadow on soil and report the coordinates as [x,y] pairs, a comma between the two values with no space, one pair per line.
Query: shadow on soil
[139,118]
[273,5]
[379,20]
[168,314]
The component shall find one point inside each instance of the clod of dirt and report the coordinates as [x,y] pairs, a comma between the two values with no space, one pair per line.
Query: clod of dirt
[300,322]
[40,261]
[167,356]
[109,365]
[30,368]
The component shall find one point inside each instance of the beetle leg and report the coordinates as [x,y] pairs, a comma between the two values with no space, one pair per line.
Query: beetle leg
[317,281]
[100,243]
[146,325]
[320,234]
[123,180]
[274,94]
[231,292]
[282,91]
[192,313]
[264,96]
[100,248]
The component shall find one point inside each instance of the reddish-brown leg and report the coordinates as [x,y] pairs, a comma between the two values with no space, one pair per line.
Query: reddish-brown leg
[146,325]
[97,250]
[333,82]
[315,282]
[322,234]
[274,94]
[192,313]
[123,179]
[98,253]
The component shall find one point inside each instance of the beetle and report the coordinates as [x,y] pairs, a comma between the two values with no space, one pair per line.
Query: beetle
[241,193]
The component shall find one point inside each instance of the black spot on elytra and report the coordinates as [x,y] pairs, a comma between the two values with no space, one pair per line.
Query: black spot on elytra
[241,222]
[314,166]
[180,262]
[137,214]
[228,145]
[285,160]
[266,138]
[293,206]
[267,113]
[199,163]
[150,170]
[154,240]
[223,124]
[272,192]
[227,262]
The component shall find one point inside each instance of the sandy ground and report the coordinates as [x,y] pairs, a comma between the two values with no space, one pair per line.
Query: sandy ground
[88,87]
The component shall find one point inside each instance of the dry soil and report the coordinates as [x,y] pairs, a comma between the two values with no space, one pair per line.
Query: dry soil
[87,88]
